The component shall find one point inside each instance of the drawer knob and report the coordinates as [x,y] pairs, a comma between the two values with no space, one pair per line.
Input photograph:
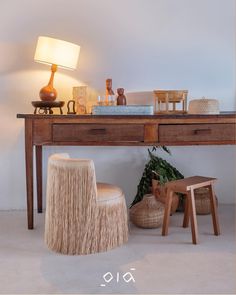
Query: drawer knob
[202,131]
[97,131]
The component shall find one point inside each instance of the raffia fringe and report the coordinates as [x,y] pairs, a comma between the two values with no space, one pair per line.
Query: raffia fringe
[75,222]
[112,226]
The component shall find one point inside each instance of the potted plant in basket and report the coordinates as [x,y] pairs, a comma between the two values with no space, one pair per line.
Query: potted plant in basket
[156,173]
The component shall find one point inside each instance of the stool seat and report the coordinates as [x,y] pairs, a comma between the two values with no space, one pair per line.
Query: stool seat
[187,187]
[193,182]
[108,194]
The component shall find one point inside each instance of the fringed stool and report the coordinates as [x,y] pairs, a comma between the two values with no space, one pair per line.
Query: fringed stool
[81,216]
[187,187]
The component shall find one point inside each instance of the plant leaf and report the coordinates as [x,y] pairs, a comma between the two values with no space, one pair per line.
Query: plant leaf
[161,167]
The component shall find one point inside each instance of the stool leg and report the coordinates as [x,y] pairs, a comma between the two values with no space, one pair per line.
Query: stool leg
[214,213]
[167,212]
[186,211]
[193,217]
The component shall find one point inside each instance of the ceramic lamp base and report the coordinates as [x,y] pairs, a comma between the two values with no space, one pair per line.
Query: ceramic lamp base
[48,93]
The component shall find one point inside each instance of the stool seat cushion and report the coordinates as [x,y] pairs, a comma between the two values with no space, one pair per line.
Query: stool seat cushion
[107,193]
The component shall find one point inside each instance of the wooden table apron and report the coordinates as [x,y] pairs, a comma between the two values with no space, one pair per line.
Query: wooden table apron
[93,130]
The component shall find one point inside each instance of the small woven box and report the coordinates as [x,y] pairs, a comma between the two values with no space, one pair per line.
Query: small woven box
[203,106]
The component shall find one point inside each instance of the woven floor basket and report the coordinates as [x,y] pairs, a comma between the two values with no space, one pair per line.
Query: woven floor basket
[160,193]
[202,201]
[148,213]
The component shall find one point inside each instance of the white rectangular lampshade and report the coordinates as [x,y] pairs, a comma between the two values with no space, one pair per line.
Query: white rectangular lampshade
[53,51]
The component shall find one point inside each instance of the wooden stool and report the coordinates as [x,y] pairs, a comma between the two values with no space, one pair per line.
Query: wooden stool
[187,187]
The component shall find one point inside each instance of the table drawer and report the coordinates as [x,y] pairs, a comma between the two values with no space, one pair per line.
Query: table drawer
[196,133]
[97,132]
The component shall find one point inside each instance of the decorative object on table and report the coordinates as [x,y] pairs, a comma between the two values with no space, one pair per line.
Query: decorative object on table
[204,106]
[45,107]
[82,216]
[162,168]
[121,99]
[187,187]
[100,100]
[160,192]
[111,100]
[56,53]
[202,201]
[109,90]
[71,107]
[148,213]
[166,101]
[80,98]
[123,110]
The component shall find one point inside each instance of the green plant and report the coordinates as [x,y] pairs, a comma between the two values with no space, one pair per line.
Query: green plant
[156,168]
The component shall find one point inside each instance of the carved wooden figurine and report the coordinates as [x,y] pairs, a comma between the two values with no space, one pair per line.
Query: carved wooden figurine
[109,90]
[121,99]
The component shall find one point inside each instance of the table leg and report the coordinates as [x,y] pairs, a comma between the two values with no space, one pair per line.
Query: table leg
[39,177]
[29,171]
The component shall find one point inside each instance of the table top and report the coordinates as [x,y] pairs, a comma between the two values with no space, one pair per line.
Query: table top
[229,114]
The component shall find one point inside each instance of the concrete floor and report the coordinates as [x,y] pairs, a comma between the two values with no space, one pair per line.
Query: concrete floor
[157,264]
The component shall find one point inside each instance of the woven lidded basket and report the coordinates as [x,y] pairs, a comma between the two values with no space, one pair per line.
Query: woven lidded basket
[148,213]
[203,106]
[202,201]
[160,192]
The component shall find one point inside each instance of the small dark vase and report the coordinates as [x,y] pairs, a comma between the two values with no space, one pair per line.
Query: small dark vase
[121,99]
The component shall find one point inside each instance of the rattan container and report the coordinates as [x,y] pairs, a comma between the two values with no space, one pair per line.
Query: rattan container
[202,201]
[148,213]
[203,106]
[160,192]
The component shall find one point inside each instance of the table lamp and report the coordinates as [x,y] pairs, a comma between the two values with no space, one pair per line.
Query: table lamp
[56,53]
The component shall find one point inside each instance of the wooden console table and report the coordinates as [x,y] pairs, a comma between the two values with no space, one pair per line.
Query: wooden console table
[93,130]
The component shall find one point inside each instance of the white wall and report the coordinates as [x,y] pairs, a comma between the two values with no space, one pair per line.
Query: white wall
[142,45]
